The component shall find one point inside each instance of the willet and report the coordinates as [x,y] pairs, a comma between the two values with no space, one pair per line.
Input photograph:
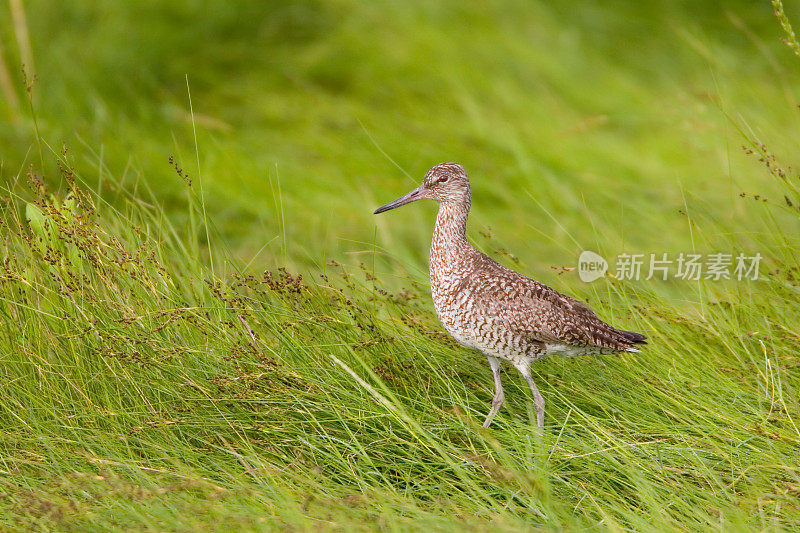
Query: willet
[494,310]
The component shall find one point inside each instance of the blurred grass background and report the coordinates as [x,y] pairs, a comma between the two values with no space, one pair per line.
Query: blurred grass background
[610,118]
[583,126]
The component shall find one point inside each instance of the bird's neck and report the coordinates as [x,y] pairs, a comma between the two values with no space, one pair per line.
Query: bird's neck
[450,233]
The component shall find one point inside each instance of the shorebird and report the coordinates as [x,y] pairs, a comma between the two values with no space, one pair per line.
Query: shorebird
[497,311]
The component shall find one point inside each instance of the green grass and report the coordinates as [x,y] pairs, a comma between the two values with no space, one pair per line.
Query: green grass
[232,341]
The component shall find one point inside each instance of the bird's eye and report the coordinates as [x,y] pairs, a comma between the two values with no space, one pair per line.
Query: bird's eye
[444,179]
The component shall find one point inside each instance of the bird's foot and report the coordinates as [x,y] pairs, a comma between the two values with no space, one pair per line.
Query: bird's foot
[497,402]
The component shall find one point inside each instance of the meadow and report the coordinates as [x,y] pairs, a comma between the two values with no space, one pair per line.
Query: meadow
[204,327]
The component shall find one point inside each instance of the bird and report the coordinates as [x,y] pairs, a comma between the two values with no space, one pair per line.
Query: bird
[497,311]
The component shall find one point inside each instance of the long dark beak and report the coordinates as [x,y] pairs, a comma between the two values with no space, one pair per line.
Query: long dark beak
[416,194]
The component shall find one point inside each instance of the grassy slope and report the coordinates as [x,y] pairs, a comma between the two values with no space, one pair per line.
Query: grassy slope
[136,393]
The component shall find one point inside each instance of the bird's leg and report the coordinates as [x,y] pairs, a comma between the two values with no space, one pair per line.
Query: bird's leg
[538,401]
[499,396]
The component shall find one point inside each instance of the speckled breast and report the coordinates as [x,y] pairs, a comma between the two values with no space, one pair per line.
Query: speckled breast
[466,320]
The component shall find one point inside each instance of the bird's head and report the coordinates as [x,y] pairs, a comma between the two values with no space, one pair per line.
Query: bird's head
[445,183]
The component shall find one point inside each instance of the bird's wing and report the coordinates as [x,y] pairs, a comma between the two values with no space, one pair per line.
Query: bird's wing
[542,314]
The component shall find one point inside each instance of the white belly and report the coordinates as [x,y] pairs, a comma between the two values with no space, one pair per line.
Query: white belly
[566,350]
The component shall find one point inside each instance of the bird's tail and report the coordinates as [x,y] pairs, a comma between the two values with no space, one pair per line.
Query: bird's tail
[633,337]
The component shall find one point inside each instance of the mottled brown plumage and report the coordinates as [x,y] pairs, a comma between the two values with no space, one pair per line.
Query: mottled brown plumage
[492,309]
